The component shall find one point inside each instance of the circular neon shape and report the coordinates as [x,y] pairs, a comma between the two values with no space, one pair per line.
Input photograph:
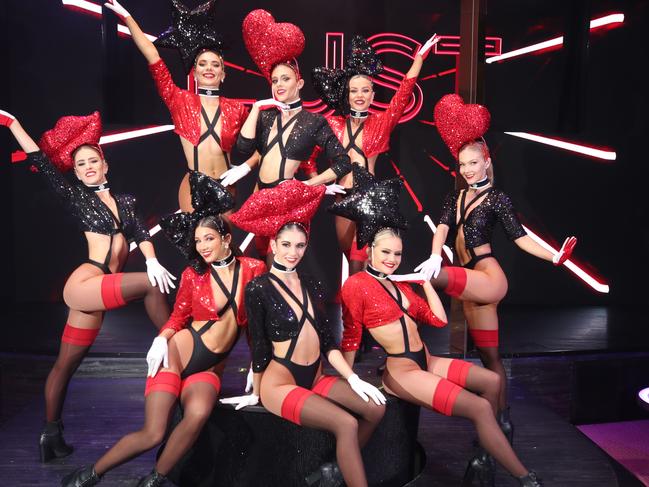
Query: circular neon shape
[643,398]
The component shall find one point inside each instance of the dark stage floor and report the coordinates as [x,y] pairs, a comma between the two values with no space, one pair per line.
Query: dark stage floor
[105,397]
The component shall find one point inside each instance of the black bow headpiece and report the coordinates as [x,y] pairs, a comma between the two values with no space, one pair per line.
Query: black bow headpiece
[373,205]
[209,198]
[332,84]
[192,31]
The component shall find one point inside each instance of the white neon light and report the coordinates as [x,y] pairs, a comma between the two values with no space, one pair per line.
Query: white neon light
[344,270]
[132,134]
[246,242]
[579,272]
[581,149]
[445,248]
[557,41]
[89,6]
[644,395]
[124,30]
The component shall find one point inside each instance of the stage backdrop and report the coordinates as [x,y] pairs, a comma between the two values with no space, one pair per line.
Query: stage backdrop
[56,64]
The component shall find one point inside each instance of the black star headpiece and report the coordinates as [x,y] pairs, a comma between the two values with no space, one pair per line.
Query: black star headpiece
[373,205]
[192,31]
[332,84]
[209,198]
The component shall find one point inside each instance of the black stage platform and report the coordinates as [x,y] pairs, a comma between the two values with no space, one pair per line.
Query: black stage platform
[543,349]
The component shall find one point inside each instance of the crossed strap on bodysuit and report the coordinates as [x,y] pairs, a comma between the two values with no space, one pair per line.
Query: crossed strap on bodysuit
[352,139]
[279,140]
[211,131]
[463,215]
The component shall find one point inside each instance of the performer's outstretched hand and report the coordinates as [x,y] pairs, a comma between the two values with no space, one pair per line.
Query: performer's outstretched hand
[241,401]
[234,174]
[565,251]
[425,49]
[334,188]
[157,354]
[414,277]
[6,118]
[270,103]
[120,11]
[159,276]
[365,390]
[430,267]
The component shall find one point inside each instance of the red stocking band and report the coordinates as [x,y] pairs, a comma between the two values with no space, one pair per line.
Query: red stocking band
[83,337]
[293,402]
[324,385]
[163,382]
[456,281]
[445,396]
[484,338]
[207,377]
[111,291]
[458,372]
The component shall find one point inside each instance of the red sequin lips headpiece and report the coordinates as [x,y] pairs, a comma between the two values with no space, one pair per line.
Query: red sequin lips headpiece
[68,134]
[458,123]
[266,211]
[270,43]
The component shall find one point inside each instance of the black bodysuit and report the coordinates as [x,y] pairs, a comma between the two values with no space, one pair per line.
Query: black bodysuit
[91,213]
[478,226]
[309,130]
[271,319]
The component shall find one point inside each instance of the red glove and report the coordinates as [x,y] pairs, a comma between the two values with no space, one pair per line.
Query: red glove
[565,251]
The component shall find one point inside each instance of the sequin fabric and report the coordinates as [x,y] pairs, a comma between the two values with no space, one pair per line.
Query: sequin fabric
[265,211]
[332,83]
[68,134]
[91,213]
[308,131]
[185,109]
[458,123]
[191,31]
[365,303]
[209,197]
[270,43]
[195,296]
[373,205]
[271,319]
[479,226]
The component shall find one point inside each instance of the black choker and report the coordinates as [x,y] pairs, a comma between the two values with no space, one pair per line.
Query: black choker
[355,114]
[282,268]
[99,188]
[481,184]
[293,106]
[219,264]
[209,91]
[373,272]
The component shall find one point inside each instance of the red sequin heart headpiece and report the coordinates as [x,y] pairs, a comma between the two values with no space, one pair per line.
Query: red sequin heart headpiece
[68,134]
[458,123]
[270,43]
[266,211]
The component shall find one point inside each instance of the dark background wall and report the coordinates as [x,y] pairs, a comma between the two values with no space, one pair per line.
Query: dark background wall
[54,65]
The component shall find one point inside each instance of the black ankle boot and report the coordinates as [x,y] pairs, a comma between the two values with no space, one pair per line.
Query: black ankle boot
[327,475]
[51,443]
[154,479]
[81,477]
[530,480]
[482,465]
[506,424]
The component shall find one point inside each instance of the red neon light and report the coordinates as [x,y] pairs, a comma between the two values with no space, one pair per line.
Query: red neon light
[387,49]
[601,153]
[609,20]
[448,71]
[450,45]
[405,183]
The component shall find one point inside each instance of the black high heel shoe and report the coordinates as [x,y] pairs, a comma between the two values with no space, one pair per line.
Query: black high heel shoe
[327,475]
[506,424]
[154,479]
[482,465]
[530,480]
[51,443]
[81,477]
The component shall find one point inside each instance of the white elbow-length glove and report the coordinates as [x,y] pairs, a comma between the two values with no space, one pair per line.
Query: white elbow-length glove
[365,390]
[157,354]
[431,266]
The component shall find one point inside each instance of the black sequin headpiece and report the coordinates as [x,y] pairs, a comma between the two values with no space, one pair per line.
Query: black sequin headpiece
[209,198]
[192,31]
[333,84]
[373,205]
